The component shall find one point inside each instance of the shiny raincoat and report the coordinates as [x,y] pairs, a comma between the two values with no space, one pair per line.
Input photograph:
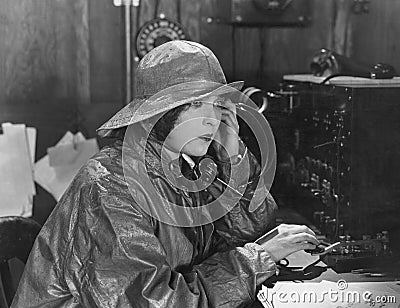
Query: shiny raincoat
[98,248]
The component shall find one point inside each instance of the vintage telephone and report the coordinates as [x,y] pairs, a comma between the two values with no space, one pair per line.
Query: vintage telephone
[329,64]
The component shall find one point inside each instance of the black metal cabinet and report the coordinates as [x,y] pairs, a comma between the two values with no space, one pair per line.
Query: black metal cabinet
[348,154]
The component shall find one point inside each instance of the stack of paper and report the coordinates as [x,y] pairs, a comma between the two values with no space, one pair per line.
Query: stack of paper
[55,171]
[17,155]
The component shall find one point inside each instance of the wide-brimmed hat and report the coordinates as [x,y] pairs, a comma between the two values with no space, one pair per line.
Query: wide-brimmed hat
[172,74]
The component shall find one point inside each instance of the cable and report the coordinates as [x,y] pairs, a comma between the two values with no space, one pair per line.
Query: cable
[330,77]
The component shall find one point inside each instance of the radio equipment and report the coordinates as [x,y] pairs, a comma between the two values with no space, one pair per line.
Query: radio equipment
[347,154]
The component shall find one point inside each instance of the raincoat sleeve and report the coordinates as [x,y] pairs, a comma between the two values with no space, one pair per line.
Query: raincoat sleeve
[254,214]
[128,265]
[105,253]
[131,254]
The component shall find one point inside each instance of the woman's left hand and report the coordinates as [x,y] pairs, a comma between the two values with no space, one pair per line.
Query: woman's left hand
[227,135]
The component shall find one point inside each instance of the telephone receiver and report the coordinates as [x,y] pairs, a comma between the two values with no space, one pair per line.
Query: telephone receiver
[206,172]
[208,168]
[327,63]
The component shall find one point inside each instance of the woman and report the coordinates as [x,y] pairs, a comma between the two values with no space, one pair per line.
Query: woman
[112,242]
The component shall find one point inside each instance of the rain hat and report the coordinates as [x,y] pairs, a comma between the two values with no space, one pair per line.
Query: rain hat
[173,74]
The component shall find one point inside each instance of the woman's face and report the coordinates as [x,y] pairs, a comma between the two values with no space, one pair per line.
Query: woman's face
[195,128]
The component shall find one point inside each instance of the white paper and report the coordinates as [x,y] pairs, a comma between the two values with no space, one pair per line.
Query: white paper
[44,175]
[16,177]
[55,171]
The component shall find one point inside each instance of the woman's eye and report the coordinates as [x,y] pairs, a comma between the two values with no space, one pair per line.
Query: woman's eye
[197,104]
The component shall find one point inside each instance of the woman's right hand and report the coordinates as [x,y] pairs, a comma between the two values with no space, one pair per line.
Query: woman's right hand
[289,239]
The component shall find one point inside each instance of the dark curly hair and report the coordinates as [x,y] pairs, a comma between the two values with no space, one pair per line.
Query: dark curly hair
[162,127]
[167,122]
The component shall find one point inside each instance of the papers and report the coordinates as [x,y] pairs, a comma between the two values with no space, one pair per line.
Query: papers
[17,155]
[55,171]
[331,294]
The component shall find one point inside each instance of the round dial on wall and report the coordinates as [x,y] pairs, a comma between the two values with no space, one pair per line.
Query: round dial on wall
[157,32]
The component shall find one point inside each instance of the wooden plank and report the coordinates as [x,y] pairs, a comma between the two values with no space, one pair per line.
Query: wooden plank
[217,36]
[342,29]
[106,52]
[169,8]
[59,45]
[248,50]
[4,30]
[135,58]
[61,42]
[147,11]
[290,50]
[38,84]
[376,33]
[81,13]
[29,49]
[16,65]
[190,18]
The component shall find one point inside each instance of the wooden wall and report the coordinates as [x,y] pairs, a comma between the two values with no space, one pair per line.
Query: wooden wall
[61,69]
[62,64]
[376,36]
[260,56]
[56,59]
[57,55]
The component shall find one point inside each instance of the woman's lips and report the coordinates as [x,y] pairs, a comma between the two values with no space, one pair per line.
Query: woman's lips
[206,137]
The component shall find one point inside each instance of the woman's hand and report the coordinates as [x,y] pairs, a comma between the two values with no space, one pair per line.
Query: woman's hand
[289,239]
[227,135]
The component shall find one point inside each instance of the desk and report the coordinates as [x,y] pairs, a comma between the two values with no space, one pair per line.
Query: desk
[301,258]
[346,81]
[376,285]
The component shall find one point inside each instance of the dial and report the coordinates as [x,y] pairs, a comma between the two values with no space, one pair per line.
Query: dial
[157,32]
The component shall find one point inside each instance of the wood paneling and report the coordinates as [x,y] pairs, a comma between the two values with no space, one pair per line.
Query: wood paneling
[376,35]
[50,68]
[190,18]
[169,8]
[342,27]
[44,64]
[248,53]
[106,47]
[81,13]
[261,55]
[217,36]
[32,59]
[148,11]
[72,51]
[264,54]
